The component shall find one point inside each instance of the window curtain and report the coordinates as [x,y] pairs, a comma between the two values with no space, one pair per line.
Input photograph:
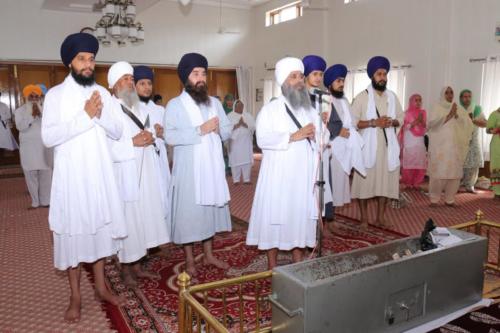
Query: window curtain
[244,79]
[490,96]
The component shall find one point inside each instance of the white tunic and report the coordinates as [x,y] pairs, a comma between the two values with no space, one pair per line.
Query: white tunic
[137,171]
[241,142]
[285,208]
[7,140]
[34,155]
[86,213]
[156,115]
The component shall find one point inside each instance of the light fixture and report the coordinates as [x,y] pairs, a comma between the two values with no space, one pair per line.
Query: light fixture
[118,23]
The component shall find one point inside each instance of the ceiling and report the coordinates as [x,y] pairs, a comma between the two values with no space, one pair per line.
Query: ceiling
[86,6]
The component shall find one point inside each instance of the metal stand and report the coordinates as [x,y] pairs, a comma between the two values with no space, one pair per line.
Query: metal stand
[320,183]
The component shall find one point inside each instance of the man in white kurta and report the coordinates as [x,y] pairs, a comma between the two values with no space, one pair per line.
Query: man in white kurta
[240,148]
[346,147]
[36,159]
[7,140]
[285,206]
[137,170]
[86,213]
[377,113]
[143,78]
[196,124]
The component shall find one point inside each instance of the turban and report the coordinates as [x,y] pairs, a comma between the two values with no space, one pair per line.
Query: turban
[313,63]
[376,63]
[142,72]
[32,89]
[188,62]
[76,43]
[43,87]
[333,73]
[285,66]
[116,72]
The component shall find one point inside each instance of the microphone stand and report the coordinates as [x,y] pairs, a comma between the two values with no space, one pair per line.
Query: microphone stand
[320,183]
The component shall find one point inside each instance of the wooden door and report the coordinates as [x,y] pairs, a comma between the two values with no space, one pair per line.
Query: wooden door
[166,83]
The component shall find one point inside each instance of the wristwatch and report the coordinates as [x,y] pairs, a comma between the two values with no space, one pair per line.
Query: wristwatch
[372,123]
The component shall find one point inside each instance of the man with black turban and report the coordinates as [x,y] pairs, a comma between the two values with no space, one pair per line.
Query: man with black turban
[86,213]
[195,124]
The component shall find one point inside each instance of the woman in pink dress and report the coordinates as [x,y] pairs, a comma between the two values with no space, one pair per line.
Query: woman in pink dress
[411,139]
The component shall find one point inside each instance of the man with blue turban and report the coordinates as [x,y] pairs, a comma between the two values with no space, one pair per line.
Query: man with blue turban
[196,124]
[314,67]
[377,114]
[346,147]
[86,213]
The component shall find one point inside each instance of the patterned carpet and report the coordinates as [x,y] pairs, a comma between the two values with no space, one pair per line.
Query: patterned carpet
[33,295]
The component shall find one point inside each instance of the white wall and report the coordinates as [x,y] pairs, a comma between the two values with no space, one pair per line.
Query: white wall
[170,30]
[436,37]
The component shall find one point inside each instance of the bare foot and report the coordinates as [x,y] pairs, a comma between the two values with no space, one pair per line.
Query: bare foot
[142,273]
[191,269]
[216,262]
[110,298]
[386,224]
[72,314]
[364,225]
[129,280]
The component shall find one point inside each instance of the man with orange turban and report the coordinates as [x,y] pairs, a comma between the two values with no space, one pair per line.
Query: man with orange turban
[36,159]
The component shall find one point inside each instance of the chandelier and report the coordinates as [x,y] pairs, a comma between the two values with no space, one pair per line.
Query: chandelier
[118,23]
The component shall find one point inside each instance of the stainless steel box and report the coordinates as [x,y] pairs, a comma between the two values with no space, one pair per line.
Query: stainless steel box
[372,290]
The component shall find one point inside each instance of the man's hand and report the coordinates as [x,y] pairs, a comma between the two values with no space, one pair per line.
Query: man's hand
[143,139]
[93,106]
[211,125]
[36,111]
[159,131]
[383,122]
[306,132]
[325,116]
[344,132]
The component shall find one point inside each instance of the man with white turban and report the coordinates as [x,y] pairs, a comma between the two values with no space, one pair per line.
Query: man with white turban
[137,170]
[86,213]
[196,125]
[377,113]
[285,207]
[36,159]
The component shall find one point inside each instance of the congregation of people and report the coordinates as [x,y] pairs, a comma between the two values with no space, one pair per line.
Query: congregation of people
[98,159]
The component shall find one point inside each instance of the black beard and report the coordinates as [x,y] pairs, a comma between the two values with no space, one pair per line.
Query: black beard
[380,86]
[144,99]
[82,80]
[337,94]
[198,92]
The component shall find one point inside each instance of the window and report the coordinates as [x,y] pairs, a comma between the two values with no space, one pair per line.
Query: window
[283,14]
[357,81]
[271,90]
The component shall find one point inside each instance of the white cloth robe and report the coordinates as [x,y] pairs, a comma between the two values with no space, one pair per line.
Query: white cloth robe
[191,222]
[34,155]
[156,115]
[285,206]
[86,213]
[137,171]
[7,140]
[241,143]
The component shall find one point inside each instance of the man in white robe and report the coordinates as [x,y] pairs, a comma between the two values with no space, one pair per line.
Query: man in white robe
[7,140]
[86,213]
[346,150]
[285,207]
[314,67]
[241,143]
[36,159]
[377,113]
[196,124]
[143,78]
[137,170]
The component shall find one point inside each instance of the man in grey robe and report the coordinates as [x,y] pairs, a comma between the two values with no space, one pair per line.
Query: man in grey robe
[196,124]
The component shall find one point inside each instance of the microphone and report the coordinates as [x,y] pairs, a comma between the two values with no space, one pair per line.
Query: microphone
[320,92]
